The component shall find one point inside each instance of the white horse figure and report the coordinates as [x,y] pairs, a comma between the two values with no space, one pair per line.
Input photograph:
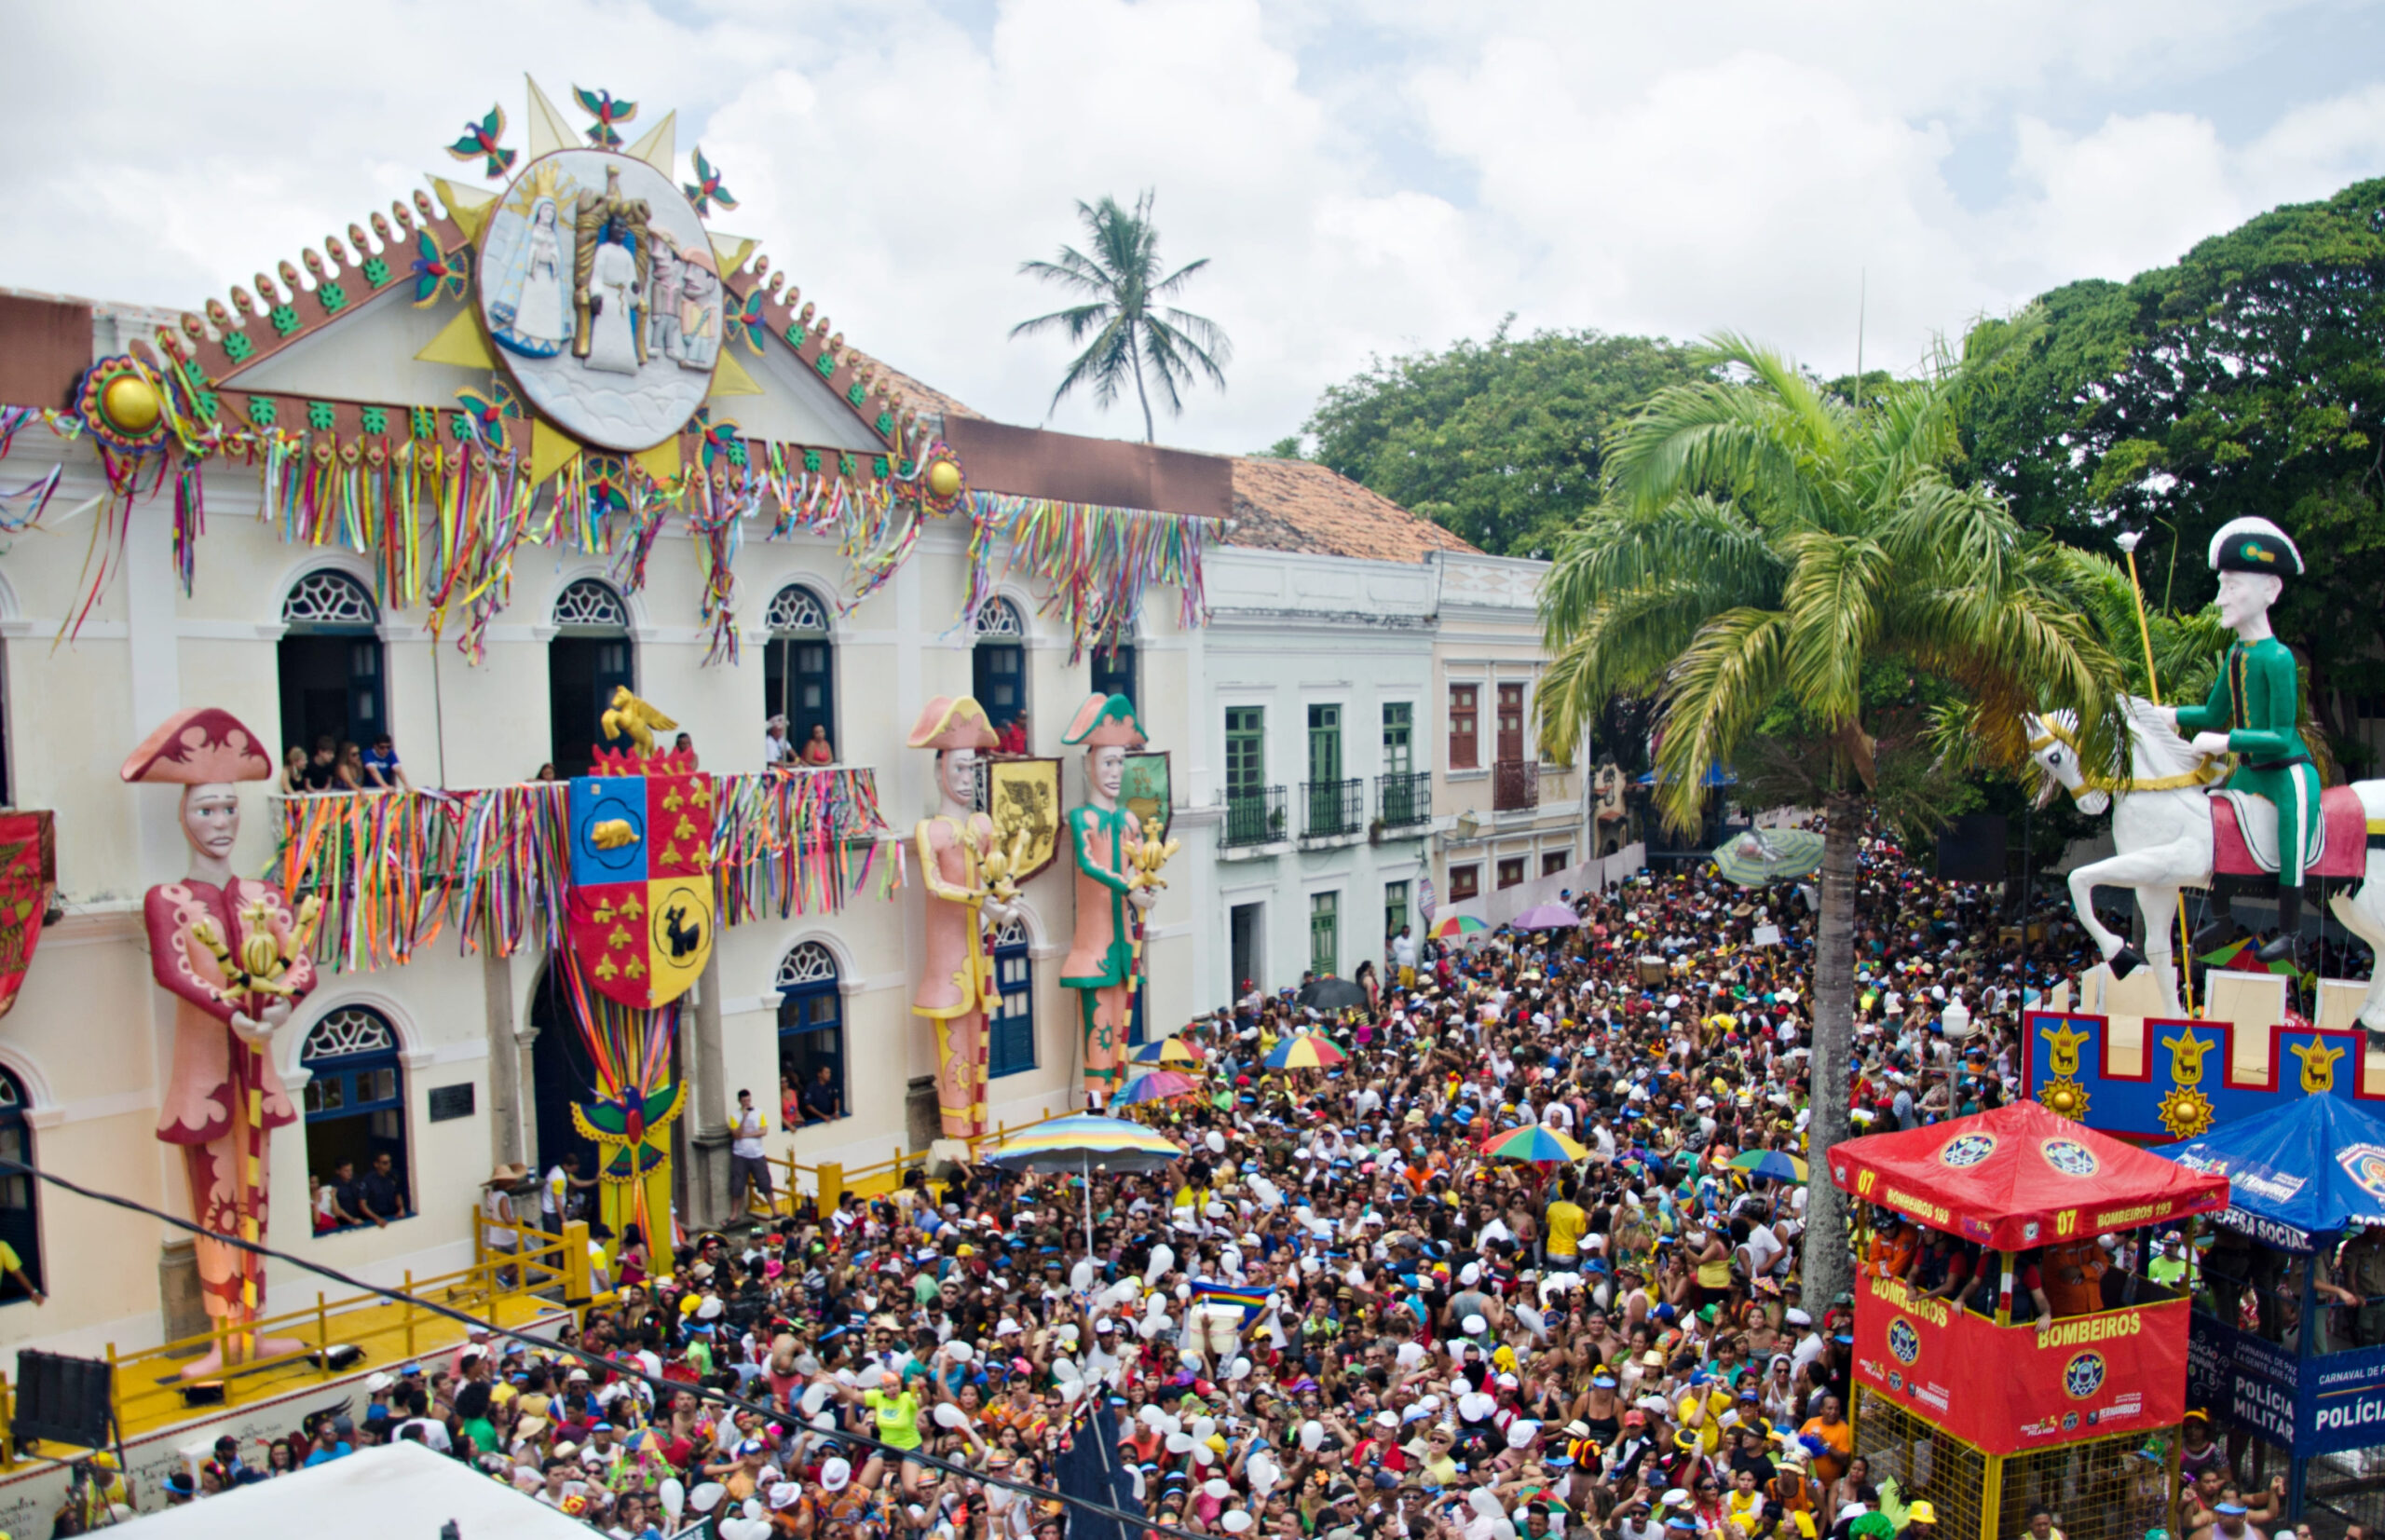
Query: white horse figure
[2161,831]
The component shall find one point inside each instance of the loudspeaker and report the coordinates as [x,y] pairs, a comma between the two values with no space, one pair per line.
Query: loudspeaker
[61,1399]
[203,1393]
[342,1356]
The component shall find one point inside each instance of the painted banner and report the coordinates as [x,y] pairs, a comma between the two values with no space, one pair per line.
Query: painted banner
[2331,1403]
[641,917]
[28,881]
[1022,800]
[2082,1377]
[2184,1080]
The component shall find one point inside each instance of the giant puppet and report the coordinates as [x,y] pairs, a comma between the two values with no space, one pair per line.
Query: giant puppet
[2252,710]
[957,989]
[233,955]
[1113,890]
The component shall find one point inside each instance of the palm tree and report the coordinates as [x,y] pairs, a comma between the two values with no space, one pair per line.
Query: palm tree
[1805,595]
[1134,335]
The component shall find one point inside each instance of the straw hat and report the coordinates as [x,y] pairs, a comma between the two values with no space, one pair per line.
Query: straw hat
[507,1176]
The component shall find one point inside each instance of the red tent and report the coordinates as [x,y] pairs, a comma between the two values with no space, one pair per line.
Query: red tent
[2020,1176]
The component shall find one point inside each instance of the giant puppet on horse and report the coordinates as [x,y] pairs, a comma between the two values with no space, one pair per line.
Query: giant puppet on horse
[2182,816]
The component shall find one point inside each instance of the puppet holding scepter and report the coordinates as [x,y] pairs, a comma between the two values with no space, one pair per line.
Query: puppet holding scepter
[1113,890]
[234,957]
[957,988]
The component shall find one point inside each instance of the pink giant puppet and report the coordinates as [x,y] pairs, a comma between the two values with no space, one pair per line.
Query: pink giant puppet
[957,989]
[234,957]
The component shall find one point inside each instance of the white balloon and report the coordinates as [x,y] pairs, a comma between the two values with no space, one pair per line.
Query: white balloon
[956,1351]
[815,1396]
[1485,1501]
[1217,1488]
[948,1415]
[1534,1322]
[1205,1429]
[1216,1141]
[1170,1424]
[1357,1277]
[753,1507]
[1410,1354]
[1183,1289]
[1262,1472]
[1203,1454]
[1070,1389]
[674,1498]
[1180,1443]
[826,1423]
[1503,1528]
[1080,1275]
[707,1497]
[1147,1328]
[1162,1260]
[1312,1436]
[1133,1476]
[1189,1358]
[1151,1415]
[1238,1370]
[1156,1305]
[1066,1370]
[1235,1523]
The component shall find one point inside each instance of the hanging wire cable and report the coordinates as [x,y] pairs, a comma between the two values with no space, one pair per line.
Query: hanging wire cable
[612,1365]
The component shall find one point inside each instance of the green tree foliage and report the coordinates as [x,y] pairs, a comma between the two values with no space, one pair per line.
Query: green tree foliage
[1809,597]
[1499,442]
[2248,378]
[1136,338]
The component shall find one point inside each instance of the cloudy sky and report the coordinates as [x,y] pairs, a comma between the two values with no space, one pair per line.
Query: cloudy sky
[1366,178]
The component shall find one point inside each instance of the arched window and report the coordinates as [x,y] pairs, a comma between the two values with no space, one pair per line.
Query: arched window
[799,668]
[812,1036]
[330,662]
[998,664]
[19,1219]
[1113,671]
[589,659]
[1010,1046]
[356,1114]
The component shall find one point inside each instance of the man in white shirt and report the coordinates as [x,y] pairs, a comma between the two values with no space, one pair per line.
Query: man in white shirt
[774,745]
[747,1168]
[1403,956]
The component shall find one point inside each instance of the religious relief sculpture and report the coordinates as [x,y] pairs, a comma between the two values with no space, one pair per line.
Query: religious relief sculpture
[957,988]
[235,957]
[1114,890]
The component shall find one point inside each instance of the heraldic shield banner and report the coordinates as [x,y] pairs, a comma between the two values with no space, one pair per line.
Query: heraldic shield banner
[641,883]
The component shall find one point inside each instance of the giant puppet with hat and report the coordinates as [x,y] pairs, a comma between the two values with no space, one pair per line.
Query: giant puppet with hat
[957,988]
[1114,890]
[234,956]
[2254,707]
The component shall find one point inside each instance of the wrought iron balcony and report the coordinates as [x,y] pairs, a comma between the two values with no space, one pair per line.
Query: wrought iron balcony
[1255,817]
[1404,801]
[1332,809]
[1515,784]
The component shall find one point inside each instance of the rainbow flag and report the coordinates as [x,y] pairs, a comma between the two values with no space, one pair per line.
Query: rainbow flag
[1252,1301]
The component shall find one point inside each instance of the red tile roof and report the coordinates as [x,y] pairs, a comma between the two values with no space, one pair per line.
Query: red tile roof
[1298,505]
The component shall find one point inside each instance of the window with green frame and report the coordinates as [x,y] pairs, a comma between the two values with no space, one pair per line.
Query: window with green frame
[1324,932]
[1399,737]
[1394,907]
[1245,750]
[1324,744]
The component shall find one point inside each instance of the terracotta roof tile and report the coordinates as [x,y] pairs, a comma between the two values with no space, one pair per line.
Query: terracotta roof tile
[916,392]
[1298,505]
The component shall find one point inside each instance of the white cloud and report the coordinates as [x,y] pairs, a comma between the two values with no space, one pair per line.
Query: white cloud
[1363,180]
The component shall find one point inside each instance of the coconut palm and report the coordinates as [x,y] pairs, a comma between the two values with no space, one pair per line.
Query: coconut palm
[1135,336]
[1805,595]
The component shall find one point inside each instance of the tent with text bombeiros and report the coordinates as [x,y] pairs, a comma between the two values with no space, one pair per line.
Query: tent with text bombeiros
[2020,1176]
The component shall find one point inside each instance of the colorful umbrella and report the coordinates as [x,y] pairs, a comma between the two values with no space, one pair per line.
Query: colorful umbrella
[2240,956]
[1305,1051]
[1546,917]
[1167,1050]
[1455,924]
[1536,1142]
[1080,1143]
[1769,1163]
[1159,1085]
[1761,856]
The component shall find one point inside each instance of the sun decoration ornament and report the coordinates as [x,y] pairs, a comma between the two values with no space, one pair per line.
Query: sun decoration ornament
[2064,1097]
[2186,1113]
[122,405]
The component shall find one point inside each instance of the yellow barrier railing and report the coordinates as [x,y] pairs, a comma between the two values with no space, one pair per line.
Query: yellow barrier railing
[832,1180]
[548,1269]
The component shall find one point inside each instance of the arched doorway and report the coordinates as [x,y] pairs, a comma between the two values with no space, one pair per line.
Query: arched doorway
[356,1097]
[590,657]
[799,666]
[560,1074]
[330,662]
[20,1211]
[997,662]
[811,1032]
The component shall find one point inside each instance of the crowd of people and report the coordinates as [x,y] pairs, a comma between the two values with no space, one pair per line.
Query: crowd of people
[1333,1317]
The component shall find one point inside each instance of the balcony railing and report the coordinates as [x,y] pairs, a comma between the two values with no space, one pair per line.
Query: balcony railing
[1330,808]
[1515,784]
[1254,817]
[1404,801]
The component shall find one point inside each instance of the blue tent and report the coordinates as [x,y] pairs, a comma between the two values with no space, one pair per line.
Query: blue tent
[2309,1167]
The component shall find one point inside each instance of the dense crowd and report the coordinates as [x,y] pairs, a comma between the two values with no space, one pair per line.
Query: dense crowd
[1334,1316]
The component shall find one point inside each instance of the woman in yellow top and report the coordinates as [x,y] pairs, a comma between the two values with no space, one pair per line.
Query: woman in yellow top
[1561,1244]
[895,1407]
[1712,1259]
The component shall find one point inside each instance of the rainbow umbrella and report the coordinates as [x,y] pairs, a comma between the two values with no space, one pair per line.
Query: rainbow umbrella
[2239,954]
[1159,1085]
[1080,1143]
[1536,1142]
[1305,1051]
[1167,1050]
[1769,1163]
[1455,924]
